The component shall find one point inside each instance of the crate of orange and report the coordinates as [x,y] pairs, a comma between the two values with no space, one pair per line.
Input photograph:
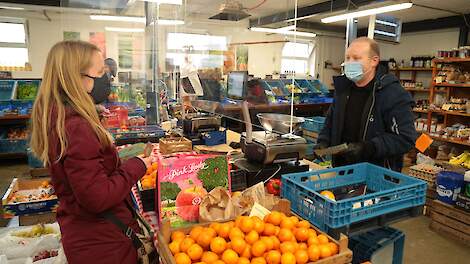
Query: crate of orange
[147,186]
[279,238]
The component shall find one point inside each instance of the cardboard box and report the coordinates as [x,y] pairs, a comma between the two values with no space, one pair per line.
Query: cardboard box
[42,218]
[183,179]
[26,208]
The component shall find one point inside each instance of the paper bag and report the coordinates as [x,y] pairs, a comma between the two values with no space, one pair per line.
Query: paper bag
[217,206]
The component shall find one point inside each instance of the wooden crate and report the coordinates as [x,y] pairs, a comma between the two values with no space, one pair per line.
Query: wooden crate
[450,221]
[343,257]
[431,194]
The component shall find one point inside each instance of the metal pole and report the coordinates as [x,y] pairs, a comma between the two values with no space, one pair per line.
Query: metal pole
[351,31]
[371,28]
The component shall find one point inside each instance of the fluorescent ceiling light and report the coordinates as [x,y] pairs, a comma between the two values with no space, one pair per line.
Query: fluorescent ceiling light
[127,30]
[367,12]
[170,2]
[386,23]
[118,18]
[284,32]
[11,8]
[288,28]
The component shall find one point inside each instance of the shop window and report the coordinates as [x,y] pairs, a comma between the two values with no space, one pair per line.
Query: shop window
[204,51]
[295,57]
[13,43]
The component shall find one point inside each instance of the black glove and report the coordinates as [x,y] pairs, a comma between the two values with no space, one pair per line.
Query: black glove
[319,145]
[359,152]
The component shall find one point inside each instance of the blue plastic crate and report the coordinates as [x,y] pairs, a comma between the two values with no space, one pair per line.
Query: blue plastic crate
[366,246]
[13,146]
[136,132]
[213,138]
[389,191]
[7,89]
[314,124]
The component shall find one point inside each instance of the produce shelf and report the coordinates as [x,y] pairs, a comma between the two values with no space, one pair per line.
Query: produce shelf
[465,143]
[448,60]
[15,117]
[451,113]
[463,85]
[412,69]
[417,90]
[420,111]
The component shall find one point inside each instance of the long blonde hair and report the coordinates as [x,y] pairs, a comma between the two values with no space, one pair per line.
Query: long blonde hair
[61,84]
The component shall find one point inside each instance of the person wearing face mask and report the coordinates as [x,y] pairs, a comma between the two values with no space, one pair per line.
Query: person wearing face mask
[371,111]
[89,179]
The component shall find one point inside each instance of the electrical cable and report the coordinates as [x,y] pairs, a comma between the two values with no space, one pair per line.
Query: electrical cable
[256,6]
[270,177]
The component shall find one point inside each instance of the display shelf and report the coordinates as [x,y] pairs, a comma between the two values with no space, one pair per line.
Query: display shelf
[420,111]
[449,140]
[450,60]
[463,85]
[15,117]
[450,113]
[417,90]
[412,69]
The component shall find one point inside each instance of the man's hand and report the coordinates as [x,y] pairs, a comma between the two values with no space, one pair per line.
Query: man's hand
[359,151]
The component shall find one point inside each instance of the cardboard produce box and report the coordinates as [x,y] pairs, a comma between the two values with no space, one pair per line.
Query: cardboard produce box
[27,197]
[183,180]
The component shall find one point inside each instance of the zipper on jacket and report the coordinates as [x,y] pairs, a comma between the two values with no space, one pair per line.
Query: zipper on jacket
[370,109]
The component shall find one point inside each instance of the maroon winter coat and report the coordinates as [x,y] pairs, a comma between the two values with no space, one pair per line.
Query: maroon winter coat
[88,180]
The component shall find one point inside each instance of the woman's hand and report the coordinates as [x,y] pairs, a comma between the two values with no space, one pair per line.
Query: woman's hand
[146,160]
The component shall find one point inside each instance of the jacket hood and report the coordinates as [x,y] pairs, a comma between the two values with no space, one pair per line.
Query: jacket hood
[382,79]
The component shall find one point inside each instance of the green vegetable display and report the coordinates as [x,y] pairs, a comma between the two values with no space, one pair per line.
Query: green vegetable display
[169,190]
[214,174]
[27,90]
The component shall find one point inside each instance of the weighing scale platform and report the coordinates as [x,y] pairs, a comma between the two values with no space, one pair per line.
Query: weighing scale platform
[256,172]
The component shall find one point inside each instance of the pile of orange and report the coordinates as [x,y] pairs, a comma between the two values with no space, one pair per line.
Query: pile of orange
[277,239]
[149,180]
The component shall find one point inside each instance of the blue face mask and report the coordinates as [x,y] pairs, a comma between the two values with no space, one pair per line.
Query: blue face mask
[353,71]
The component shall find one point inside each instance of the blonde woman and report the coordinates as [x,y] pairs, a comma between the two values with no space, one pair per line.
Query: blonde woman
[86,172]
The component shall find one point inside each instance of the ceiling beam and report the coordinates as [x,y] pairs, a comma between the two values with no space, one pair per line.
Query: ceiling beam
[320,26]
[306,11]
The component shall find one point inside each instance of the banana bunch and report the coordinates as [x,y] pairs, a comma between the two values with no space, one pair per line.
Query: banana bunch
[462,159]
[35,231]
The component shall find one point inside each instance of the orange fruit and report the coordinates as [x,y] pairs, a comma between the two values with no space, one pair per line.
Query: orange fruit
[230,257]
[301,234]
[210,231]
[276,242]
[204,239]
[294,219]
[195,252]
[247,224]
[276,230]
[258,260]
[149,170]
[186,243]
[333,248]
[303,223]
[238,220]
[215,226]
[273,257]
[288,258]
[287,223]
[303,246]
[251,237]
[259,224]
[269,229]
[224,230]
[313,253]
[322,239]
[154,166]
[174,247]
[209,257]
[236,232]
[301,256]
[229,245]
[267,242]
[231,224]
[182,258]
[218,245]
[288,246]
[312,232]
[218,262]
[200,262]
[258,248]
[243,260]
[313,240]
[285,235]
[247,252]
[195,232]
[238,245]
[328,194]
[325,251]
[177,235]
[275,218]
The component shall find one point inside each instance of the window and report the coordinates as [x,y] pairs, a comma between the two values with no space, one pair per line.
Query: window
[295,57]
[13,43]
[205,51]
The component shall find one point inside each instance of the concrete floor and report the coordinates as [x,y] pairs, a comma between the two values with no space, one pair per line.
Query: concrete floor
[422,245]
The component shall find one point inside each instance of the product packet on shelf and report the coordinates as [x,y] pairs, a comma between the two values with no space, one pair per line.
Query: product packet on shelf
[183,180]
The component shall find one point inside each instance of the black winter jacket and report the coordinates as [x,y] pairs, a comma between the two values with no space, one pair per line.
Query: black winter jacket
[387,119]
